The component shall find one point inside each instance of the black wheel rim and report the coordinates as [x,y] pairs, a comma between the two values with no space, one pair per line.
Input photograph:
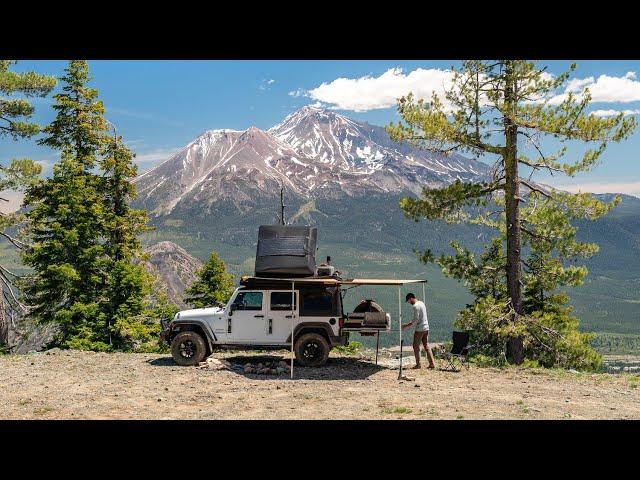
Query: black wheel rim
[187,349]
[311,351]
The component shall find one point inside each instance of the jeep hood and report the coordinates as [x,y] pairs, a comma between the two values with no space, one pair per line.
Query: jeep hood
[198,313]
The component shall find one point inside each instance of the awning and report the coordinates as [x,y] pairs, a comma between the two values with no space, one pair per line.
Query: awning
[378,281]
[335,281]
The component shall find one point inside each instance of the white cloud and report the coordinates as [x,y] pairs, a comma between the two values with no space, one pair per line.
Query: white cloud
[578,84]
[612,113]
[370,93]
[300,92]
[630,188]
[604,89]
[153,157]
[266,84]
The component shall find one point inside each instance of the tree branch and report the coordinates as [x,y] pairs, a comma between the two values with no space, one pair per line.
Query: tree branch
[9,272]
[17,243]
[10,290]
[535,189]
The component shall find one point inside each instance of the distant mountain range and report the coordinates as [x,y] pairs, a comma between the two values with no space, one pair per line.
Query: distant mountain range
[313,153]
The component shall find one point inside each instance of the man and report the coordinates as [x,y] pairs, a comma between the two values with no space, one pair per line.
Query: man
[421,333]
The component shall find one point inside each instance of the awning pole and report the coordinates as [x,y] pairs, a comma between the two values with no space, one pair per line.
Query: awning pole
[399,316]
[400,329]
[293,307]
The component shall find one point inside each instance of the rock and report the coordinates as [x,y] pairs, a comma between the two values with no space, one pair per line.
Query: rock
[176,269]
[248,369]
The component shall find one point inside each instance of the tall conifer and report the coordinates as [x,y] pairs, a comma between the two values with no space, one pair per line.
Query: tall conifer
[16,124]
[66,219]
[510,111]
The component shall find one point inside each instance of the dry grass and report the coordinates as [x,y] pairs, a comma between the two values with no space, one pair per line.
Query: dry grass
[74,385]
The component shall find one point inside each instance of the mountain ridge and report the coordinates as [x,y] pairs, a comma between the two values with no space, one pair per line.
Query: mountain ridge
[312,153]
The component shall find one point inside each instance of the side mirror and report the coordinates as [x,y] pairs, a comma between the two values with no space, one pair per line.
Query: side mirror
[231,309]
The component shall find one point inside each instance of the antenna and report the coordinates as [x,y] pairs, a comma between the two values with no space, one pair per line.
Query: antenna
[282,205]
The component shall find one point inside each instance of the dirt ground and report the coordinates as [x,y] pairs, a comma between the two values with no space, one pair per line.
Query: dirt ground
[78,385]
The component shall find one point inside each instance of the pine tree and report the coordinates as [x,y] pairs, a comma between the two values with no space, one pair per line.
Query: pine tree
[129,284]
[15,114]
[66,219]
[504,109]
[214,285]
[549,332]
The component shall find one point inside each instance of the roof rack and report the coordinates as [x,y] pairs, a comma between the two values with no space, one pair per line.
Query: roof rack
[328,281]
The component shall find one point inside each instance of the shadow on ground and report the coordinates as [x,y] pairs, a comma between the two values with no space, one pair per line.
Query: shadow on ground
[339,368]
[162,362]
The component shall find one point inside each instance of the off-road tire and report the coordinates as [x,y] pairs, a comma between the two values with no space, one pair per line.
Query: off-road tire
[312,350]
[188,348]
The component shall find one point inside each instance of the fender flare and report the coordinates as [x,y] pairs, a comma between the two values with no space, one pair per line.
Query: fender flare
[210,336]
[312,325]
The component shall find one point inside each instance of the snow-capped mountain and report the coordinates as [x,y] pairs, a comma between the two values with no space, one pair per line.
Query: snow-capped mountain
[314,153]
[363,148]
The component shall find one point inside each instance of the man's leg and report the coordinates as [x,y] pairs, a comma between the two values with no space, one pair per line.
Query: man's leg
[416,347]
[425,342]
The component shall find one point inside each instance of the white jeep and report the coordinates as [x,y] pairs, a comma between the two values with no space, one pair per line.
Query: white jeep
[259,315]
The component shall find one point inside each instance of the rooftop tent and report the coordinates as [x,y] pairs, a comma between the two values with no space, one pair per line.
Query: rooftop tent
[286,250]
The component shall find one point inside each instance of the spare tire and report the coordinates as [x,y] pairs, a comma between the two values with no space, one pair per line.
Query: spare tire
[188,348]
[312,350]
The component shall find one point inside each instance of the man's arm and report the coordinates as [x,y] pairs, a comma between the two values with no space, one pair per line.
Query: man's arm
[413,319]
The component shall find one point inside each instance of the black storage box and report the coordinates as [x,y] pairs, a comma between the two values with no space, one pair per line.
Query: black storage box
[286,251]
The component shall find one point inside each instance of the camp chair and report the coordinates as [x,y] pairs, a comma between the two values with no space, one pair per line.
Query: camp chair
[458,353]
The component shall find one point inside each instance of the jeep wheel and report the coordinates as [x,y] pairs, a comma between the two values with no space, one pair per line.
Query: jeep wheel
[188,348]
[312,350]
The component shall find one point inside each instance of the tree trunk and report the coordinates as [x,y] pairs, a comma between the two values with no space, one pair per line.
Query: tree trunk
[4,322]
[515,351]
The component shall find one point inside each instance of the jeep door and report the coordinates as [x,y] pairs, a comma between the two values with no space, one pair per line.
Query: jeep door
[246,321]
[278,319]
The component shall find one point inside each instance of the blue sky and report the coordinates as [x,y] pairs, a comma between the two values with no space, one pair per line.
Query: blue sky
[159,106]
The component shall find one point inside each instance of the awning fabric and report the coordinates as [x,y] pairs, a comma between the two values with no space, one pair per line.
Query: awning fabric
[334,281]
